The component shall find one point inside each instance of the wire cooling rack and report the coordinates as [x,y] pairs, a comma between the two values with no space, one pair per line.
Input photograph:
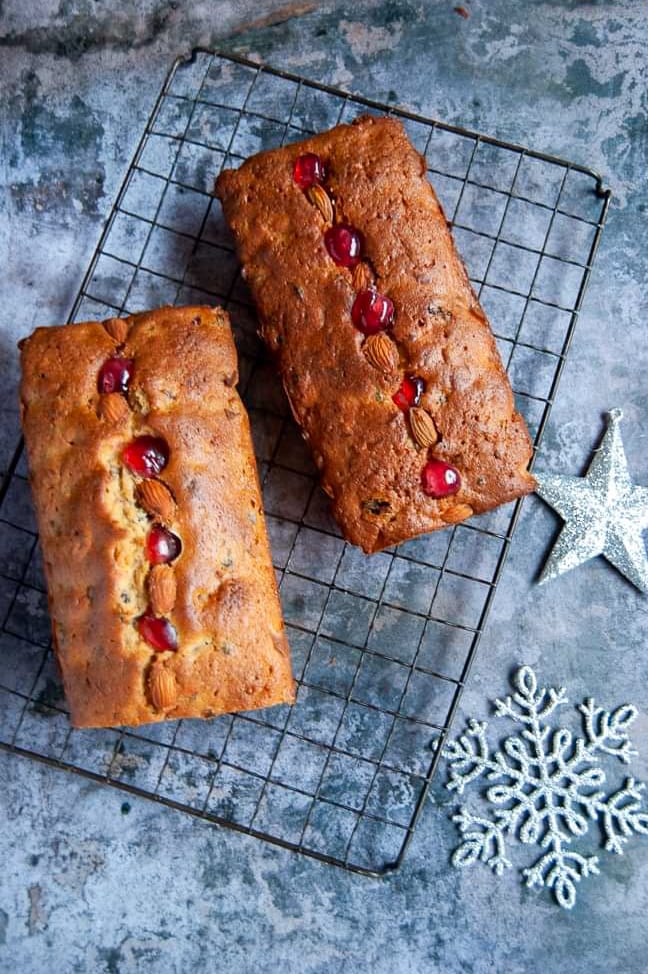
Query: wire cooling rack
[382,646]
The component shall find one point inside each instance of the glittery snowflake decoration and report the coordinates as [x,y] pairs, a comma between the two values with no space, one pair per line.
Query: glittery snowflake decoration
[549,787]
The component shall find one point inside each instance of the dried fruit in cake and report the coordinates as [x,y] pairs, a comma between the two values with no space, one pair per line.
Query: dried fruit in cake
[162,545]
[409,394]
[158,633]
[146,456]
[115,374]
[344,244]
[372,312]
[308,170]
[440,479]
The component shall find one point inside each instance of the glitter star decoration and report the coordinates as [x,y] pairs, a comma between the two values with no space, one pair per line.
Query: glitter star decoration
[604,513]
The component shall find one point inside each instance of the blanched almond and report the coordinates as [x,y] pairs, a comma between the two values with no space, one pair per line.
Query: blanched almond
[117,328]
[318,196]
[156,499]
[161,584]
[381,352]
[423,429]
[161,688]
[113,408]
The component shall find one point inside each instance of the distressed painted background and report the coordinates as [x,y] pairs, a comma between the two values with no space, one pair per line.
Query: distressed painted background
[93,883]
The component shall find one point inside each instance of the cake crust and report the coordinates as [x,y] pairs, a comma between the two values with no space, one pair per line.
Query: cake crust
[370,462]
[232,650]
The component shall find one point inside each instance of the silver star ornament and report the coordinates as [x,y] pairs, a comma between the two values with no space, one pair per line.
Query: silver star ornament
[604,513]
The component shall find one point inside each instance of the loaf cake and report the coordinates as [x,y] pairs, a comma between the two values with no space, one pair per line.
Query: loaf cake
[161,589]
[387,358]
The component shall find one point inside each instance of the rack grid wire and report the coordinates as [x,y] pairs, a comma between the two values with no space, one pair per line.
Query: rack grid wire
[382,646]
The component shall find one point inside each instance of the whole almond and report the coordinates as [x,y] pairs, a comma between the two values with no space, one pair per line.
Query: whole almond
[362,276]
[156,499]
[117,328]
[161,688]
[161,584]
[113,408]
[381,352]
[456,512]
[318,196]
[423,429]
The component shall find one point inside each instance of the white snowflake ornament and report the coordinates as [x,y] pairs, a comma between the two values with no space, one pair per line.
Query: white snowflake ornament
[549,787]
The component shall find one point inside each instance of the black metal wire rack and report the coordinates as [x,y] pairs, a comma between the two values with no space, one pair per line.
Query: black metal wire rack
[382,646]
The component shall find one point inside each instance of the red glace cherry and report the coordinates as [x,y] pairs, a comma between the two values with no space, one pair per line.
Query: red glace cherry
[115,374]
[146,456]
[308,170]
[371,311]
[158,633]
[162,545]
[409,393]
[344,244]
[440,479]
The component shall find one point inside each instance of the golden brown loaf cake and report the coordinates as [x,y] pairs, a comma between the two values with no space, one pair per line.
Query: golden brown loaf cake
[386,356]
[161,588]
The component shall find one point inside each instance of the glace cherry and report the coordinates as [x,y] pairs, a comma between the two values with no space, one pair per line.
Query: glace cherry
[440,479]
[308,170]
[371,311]
[410,392]
[115,374]
[158,633]
[344,244]
[146,456]
[162,545]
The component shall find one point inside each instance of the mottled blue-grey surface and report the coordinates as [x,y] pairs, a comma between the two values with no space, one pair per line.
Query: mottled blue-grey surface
[90,883]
